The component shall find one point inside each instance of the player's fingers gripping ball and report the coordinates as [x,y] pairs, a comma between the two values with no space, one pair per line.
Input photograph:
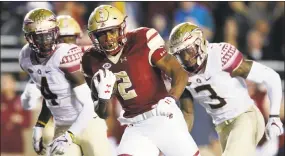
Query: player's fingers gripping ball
[104,81]
[164,107]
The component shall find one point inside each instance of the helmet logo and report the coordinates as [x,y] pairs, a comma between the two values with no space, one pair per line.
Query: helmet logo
[52,18]
[101,15]
[187,37]
[65,23]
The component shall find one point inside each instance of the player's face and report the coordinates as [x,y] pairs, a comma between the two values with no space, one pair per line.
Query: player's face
[45,42]
[188,57]
[109,40]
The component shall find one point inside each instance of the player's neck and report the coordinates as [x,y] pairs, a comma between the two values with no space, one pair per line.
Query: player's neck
[203,67]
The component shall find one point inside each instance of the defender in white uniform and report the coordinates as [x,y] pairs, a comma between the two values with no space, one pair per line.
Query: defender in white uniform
[217,73]
[55,70]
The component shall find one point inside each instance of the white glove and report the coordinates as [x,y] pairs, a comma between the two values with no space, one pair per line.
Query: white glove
[164,107]
[106,84]
[60,144]
[274,128]
[30,96]
[38,145]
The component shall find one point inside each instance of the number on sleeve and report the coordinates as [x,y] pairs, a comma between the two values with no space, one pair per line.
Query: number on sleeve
[125,86]
[212,96]
[48,95]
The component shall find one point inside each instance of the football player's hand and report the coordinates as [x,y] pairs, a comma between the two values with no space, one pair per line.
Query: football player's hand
[274,128]
[104,85]
[164,107]
[38,145]
[60,144]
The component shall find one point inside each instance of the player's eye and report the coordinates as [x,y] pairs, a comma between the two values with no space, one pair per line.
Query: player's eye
[100,34]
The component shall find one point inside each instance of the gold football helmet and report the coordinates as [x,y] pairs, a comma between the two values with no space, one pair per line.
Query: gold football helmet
[189,45]
[105,19]
[69,29]
[41,31]
[68,26]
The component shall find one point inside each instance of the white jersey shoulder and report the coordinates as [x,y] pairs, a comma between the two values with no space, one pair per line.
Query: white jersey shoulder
[50,79]
[223,96]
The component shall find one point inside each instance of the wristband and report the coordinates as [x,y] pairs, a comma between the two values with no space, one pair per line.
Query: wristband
[40,124]
[173,98]
[274,116]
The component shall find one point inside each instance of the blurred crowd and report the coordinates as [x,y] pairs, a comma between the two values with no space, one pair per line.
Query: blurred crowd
[255,28]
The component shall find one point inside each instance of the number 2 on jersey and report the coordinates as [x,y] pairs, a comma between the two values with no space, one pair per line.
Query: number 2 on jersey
[47,93]
[212,96]
[125,85]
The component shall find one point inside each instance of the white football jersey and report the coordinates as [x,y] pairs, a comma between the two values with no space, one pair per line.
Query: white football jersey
[224,97]
[50,79]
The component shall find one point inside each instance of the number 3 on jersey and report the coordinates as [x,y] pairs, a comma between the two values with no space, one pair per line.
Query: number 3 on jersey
[48,95]
[213,96]
[125,86]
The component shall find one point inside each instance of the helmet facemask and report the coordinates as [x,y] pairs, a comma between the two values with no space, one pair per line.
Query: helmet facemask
[43,42]
[109,40]
[68,39]
[192,57]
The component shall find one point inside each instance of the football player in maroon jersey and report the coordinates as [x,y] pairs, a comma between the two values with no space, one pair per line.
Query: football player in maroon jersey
[135,60]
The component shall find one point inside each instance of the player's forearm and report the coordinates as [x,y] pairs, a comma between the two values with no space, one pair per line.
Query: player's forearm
[102,108]
[262,74]
[44,116]
[179,80]
[83,95]
[189,118]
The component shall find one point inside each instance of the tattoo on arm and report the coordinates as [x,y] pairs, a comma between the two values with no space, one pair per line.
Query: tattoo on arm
[243,69]
[44,116]
[102,108]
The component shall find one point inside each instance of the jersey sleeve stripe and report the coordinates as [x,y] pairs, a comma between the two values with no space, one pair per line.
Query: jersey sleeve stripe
[154,42]
[236,62]
[152,36]
[158,54]
[72,68]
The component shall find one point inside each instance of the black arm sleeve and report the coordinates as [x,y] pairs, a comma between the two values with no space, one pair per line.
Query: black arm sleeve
[102,108]
[44,116]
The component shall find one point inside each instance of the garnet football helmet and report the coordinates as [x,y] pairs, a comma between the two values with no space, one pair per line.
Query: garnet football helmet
[69,29]
[41,31]
[103,19]
[189,46]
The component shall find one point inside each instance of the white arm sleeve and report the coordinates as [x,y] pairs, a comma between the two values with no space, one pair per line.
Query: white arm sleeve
[30,97]
[83,94]
[262,74]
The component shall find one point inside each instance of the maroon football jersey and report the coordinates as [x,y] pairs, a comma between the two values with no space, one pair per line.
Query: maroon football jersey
[139,83]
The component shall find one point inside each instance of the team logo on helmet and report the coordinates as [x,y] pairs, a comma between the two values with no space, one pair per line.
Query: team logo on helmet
[101,15]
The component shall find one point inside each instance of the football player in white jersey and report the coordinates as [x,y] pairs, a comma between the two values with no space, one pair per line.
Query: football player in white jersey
[217,73]
[55,69]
